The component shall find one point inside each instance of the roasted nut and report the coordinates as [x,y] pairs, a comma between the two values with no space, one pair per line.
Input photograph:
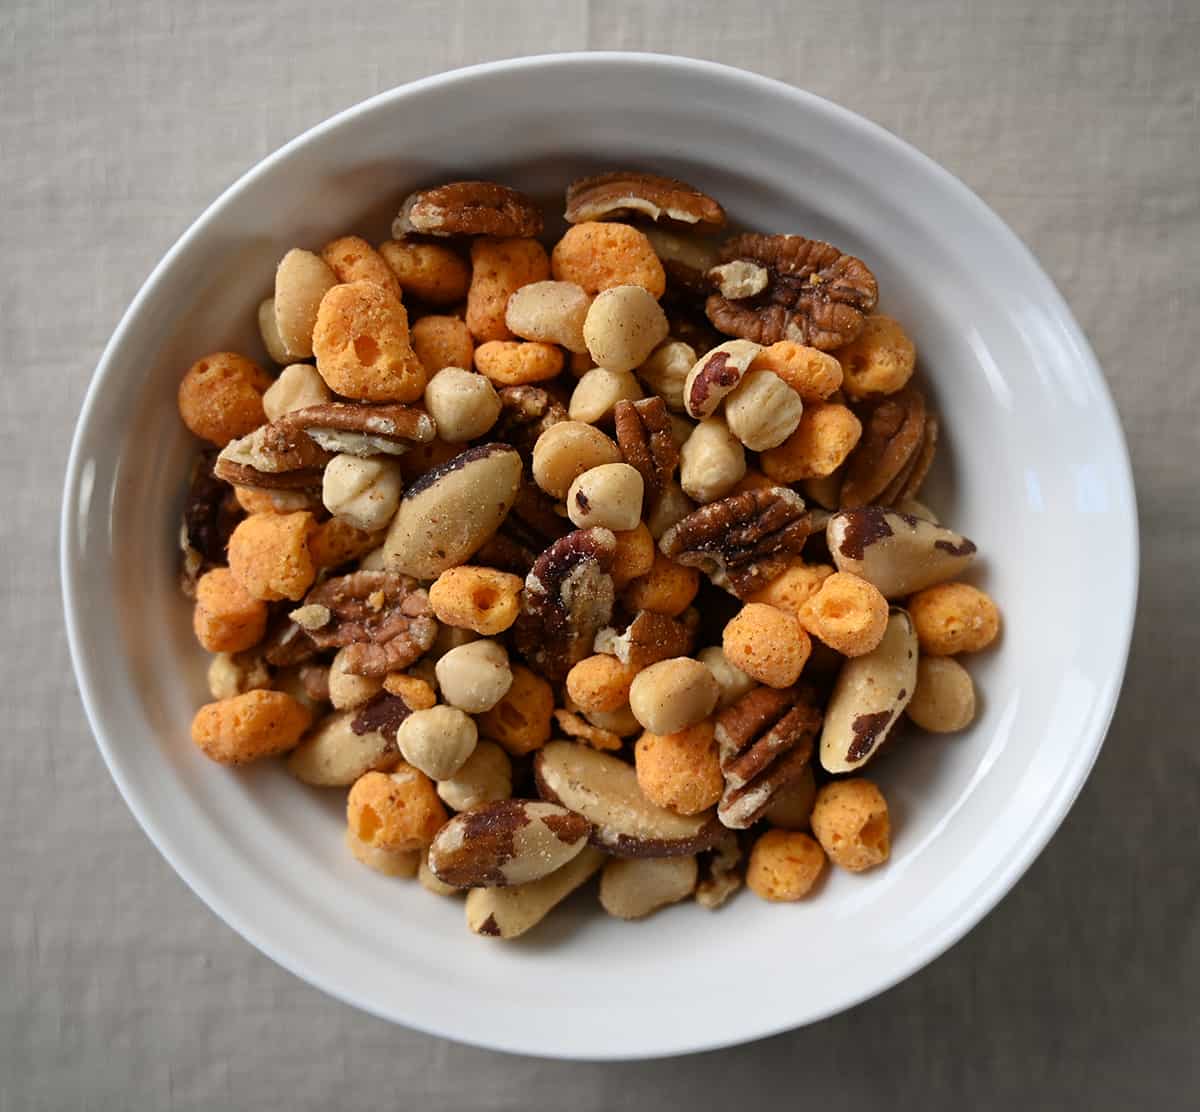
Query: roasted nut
[221,397]
[518,362]
[510,912]
[716,374]
[711,462]
[879,360]
[578,728]
[765,741]
[619,723]
[666,369]
[813,374]
[500,267]
[645,437]
[598,392]
[552,312]
[815,295]
[565,451]
[599,256]
[210,515]
[680,771]
[893,432]
[944,700]
[348,691]
[302,280]
[850,819]
[475,677]
[732,682]
[720,877]
[442,342]
[232,674]
[269,557]
[620,194]
[633,557]
[633,888]
[268,330]
[431,883]
[739,279]
[623,326]
[784,866]
[791,589]
[464,405]
[568,598]
[520,722]
[468,208]
[438,741]
[360,430]
[227,619]
[871,693]
[912,508]
[425,457]
[673,694]
[791,807]
[353,259]
[526,412]
[899,554]
[767,644]
[826,435]
[485,776]
[609,495]
[672,507]
[274,456]
[599,682]
[361,342]
[686,259]
[480,599]
[743,541]
[450,511]
[428,271]
[286,645]
[383,620]
[506,842]
[953,618]
[297,387]
[334,755]
[249,727]
[847,613]
[365,492]
[394,811]
[763,411]
[667,588]
[604,790]
[389,862]
[649,638]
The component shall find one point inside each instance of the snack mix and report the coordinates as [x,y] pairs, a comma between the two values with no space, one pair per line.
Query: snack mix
[604,557]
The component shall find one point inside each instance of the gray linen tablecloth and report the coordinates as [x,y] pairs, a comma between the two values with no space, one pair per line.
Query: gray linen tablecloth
[1078,122]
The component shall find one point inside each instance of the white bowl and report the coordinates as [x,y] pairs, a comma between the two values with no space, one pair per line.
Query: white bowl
[1034,469]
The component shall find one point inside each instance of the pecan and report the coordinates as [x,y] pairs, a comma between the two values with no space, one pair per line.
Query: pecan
[578,728]
[893,430]
[647,639]
[908,484]
[621,194]
[382,714]
[285,643]
[209,516]
[744,541]
[469,208]
[686,260]
[314,678]
[361,430]
[686,320]
[277,456]
[568,598]
[383,619]
[526,412]
[647,443]
[814,294]
[765,740]
[531,526]
[719,873]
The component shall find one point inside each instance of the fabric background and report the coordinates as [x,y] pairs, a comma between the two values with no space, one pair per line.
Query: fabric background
[1079,122]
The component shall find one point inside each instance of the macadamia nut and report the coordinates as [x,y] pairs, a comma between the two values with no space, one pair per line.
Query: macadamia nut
[680,771]
[437,741]
[475,677]
[767,644]
[847,613]
[784,866]
[597,392]
[733,682]
[249,727]
[673,694]
[297,387]
[623,326]
[485,777]
[552,312]
[609,495]
[397,810]
[365,492]
[480,599]
[850,819]
[269,556]
[565,451]
[953,618]
[428,271]
[944,698]
[763,411]
[500,267]
[666,369]
[598,256]
[711,462]
[221,397]
[464,405]
[227,619]
[442,342]
[879,360]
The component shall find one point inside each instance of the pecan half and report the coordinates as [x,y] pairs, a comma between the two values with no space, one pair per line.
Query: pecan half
[383,619]
[277,456]
[526,412]
[647,443]
[814,294]
[568,598]
[578,728]
[469,208]
[893,430]
[285,643]
[647,639]
[623,193]
[765,740]
[210,514]
[908,484]
[744,541]
[361,430]
[382,714]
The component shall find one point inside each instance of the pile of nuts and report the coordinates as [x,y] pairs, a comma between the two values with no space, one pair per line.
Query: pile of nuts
[568,562]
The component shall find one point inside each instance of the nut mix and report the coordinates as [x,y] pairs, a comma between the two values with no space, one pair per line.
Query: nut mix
[577,559]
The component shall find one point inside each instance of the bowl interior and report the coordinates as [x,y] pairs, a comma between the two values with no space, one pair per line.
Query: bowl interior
[1032,467]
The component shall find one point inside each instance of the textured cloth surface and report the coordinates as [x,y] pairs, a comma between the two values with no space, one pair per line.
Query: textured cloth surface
[1079,122]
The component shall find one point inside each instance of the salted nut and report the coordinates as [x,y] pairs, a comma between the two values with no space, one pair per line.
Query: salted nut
[525,413]
[634,887]
[383,714]
[744,541]
[814,295]
[510,912]
[604,790]
[621,194]
[469,208]
[870,695]
[886,456]
[899,553]
[687,260]
[210,514]
[716,374]
[720,876]
[448,513]
[361,430]
[644,435]
[509,841]
[647,639]
[334,754]
[273,457]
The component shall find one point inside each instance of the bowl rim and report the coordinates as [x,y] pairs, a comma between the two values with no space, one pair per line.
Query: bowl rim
[1123,607]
